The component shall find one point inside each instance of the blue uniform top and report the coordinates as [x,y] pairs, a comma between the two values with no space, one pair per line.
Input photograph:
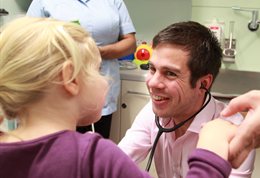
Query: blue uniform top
[104,19]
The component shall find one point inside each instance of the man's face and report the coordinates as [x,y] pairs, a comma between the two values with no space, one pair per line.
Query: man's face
[168,82]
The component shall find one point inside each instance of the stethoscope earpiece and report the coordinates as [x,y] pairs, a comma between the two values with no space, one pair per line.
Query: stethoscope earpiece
[202,86]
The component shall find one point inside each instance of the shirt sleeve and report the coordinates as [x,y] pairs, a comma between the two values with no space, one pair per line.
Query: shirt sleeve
[108,161]
[126,24]
[204,164]
[36,9]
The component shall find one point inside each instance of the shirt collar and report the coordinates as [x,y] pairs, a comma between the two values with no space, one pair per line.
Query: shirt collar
[84,1]
[204,116]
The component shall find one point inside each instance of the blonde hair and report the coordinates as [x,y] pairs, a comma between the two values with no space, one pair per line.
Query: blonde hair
[33,51]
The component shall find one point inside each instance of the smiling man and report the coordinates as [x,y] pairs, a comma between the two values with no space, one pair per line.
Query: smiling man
[185,62]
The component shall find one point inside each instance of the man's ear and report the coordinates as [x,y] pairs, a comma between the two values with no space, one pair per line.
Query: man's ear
[71,86]
[205,81]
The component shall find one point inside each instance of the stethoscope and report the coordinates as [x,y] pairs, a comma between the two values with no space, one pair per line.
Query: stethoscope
[166,130]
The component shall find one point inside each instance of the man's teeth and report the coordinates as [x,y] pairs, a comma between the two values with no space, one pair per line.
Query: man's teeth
[158,97]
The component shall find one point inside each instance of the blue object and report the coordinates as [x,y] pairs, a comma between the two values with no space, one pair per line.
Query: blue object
[129,57]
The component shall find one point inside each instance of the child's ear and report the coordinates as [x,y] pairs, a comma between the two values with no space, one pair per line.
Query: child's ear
[71,86]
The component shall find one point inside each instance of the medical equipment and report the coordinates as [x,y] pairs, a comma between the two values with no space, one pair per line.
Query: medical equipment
[166,130]
[217,29]
[253,24]
[229,49]
[93,127]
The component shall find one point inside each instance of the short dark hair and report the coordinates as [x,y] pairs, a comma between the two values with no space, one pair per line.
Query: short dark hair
[203,47]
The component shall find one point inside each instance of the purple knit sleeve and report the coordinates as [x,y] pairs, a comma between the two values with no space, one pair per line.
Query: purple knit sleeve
[108,161]
[205,164]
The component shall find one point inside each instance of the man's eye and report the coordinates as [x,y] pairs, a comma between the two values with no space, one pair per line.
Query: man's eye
[170,74]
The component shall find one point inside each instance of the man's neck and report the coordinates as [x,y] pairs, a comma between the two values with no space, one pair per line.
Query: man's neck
[183,129]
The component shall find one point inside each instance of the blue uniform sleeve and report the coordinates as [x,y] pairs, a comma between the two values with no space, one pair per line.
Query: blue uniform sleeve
[36,9]
[126,24]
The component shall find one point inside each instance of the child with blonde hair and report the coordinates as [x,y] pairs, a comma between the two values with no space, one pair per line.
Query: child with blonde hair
[50,82]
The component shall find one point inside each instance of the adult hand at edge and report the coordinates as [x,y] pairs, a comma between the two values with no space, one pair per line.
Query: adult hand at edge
[1,118]
[247,136]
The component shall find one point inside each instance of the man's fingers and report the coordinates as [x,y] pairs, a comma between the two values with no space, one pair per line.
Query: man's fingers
[1,119]
[235,106]
[241,103]
[237,160]
[239,148]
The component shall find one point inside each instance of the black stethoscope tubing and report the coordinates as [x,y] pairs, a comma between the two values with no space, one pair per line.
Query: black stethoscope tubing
[166,130]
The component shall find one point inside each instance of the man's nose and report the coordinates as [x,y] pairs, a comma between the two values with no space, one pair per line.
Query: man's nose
[155,81]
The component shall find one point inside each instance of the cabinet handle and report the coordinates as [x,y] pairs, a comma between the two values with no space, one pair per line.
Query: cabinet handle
[123,105]
[137,93]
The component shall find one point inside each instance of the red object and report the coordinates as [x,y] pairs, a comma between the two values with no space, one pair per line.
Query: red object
[143,54]
[214,28]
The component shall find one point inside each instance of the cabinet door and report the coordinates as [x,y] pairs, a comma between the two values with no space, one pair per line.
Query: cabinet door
[134,96]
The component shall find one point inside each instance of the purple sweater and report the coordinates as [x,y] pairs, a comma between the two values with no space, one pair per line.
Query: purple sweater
[205,164]
[68,154]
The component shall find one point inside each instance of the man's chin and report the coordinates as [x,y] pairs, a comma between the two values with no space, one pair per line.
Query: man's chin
[160,113]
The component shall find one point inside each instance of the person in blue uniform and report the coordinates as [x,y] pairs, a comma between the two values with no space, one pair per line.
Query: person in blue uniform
[109,23]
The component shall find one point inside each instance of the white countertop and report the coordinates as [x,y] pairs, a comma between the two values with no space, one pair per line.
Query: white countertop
[133,74]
